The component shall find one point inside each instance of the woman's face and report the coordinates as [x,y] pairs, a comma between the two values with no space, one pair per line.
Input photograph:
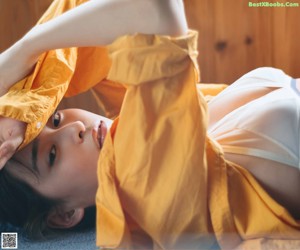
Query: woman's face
[65,156]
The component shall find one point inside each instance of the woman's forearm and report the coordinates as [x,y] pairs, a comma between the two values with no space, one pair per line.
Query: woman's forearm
[99,22]
[95,23]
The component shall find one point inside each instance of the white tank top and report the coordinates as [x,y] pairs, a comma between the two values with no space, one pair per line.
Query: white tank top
[266,128]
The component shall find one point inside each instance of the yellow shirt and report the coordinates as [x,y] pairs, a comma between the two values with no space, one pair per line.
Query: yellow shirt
[147,193]
[59,73]
[163,184]
[64,73]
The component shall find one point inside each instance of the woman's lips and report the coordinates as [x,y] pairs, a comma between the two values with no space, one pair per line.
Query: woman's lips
[99,133]
[102,131]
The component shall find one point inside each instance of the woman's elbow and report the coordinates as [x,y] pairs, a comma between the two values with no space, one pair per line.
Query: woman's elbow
[175,19]
[166,17]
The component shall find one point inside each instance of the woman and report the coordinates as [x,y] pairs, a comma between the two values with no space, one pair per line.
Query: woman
[162,182]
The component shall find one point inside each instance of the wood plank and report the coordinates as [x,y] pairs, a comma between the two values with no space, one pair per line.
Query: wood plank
[233,38]
[17,17]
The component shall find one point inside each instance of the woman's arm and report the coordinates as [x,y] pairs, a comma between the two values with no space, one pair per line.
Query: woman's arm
[97,22]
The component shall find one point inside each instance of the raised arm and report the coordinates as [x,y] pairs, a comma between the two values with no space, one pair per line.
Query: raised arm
[97,22]
[94,23]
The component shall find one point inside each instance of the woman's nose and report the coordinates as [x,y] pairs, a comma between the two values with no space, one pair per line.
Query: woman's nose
[79,130]
[74,131]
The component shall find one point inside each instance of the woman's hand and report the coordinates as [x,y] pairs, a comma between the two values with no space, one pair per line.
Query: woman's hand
[15,63]
[12,134]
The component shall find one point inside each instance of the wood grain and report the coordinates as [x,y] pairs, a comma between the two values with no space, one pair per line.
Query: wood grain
[233,37]
[17,17]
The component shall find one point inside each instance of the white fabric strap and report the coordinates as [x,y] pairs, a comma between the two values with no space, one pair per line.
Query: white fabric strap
[258,153]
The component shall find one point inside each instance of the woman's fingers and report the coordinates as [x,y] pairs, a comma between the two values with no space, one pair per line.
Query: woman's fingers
[12,134]
[7,149]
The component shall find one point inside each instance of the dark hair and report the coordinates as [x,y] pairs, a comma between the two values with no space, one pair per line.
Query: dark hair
[23,207]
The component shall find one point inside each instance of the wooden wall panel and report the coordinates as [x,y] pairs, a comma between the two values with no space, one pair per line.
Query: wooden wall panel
[17,17]
[233,38]
[286,50]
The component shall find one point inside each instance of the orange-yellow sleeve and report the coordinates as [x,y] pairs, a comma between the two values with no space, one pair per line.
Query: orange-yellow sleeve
[34,99]
[154,170]
[209,90]
[58,73]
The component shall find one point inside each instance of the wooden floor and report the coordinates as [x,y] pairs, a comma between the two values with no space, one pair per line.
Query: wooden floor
[233,37]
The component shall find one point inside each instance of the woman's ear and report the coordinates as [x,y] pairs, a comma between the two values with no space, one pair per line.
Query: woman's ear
[60,218]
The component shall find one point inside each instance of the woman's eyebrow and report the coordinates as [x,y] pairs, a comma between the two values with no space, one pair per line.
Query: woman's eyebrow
[34,154]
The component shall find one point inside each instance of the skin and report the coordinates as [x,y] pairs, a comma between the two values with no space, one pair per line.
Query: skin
[74,182]
[273,177]
[70,30]
[70,176]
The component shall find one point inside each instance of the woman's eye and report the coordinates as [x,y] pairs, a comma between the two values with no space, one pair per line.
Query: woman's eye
[56,119]
[52,156]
